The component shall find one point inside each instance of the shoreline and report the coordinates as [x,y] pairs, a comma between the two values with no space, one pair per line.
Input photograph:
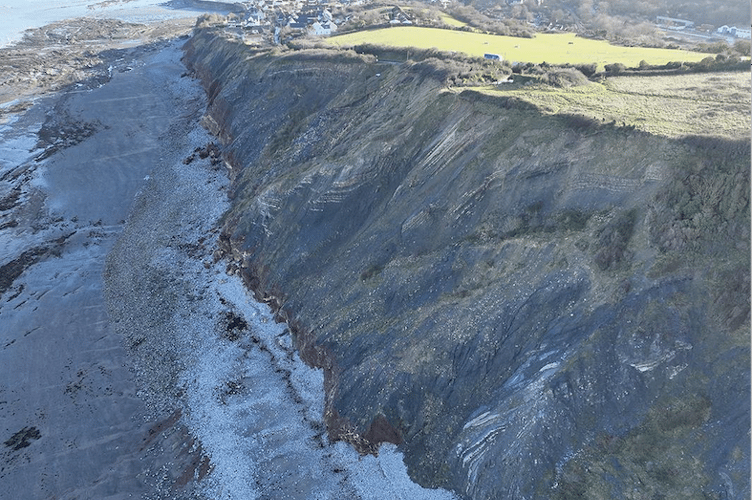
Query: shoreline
[118,309]
[25,17]
[76,54]
[70,402]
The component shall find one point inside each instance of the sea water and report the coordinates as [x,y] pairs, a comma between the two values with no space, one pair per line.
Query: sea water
[19,15]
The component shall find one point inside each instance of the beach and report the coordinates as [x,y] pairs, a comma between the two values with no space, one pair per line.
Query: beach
[73,163]
[135,362]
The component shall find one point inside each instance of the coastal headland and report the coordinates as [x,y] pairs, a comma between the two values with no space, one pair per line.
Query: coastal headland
[527,303]
[531,303]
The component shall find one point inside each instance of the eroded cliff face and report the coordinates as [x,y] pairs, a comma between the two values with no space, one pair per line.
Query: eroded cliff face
[531,306]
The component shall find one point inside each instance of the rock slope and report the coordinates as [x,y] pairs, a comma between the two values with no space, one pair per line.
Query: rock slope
[530,306]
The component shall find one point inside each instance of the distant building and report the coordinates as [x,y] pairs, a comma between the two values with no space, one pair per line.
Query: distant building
[398,16]
[298,22]
[671,21]
[255,17]
[326,28]
[735,32]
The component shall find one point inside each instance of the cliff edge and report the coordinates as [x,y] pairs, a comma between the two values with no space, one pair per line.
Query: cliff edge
[530,306]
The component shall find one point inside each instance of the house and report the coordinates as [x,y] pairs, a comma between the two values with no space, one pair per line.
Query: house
[673,22]
[324,29]
[255,17]
[398,16]
[298,22]
[734,31]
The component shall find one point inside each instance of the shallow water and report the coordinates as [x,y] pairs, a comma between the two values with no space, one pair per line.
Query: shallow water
[20,15]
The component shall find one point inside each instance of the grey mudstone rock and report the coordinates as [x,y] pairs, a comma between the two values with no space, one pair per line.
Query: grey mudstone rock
[528,306]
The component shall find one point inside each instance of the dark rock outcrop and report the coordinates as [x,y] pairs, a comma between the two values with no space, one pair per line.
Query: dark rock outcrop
[532,306]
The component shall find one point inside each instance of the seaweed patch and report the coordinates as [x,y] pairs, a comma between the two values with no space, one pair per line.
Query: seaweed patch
[23,438]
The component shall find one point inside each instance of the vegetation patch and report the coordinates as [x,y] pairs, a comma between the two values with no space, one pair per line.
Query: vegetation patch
[613,240]
[651,456]
[451,21]
[706,203]
[701,104]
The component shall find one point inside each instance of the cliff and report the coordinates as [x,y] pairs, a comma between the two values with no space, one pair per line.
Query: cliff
[531,306]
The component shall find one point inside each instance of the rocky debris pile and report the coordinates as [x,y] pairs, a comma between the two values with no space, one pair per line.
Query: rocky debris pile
[210,150]
[80,51]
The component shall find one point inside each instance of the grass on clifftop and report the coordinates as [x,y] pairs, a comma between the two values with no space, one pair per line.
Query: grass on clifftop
[714,104]
[563,48]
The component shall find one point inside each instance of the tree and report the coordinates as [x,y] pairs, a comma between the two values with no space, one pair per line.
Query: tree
[615,68]
[742,47]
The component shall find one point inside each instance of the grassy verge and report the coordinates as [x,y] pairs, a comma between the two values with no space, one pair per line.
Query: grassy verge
[450,21]
[693,104]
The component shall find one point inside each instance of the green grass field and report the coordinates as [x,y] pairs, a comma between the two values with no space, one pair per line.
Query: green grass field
[450,21]
[551,48]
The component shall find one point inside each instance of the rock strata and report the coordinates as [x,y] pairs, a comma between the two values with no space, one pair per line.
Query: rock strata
[530,307]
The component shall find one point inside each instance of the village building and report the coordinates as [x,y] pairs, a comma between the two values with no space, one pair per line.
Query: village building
[735,32]
[671,22]
[324,29]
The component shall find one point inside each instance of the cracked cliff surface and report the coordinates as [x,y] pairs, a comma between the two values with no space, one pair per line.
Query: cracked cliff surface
[529,305]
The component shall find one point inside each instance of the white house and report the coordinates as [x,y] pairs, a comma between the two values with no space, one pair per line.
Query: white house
[735,32]
[326,28]
[255,17]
